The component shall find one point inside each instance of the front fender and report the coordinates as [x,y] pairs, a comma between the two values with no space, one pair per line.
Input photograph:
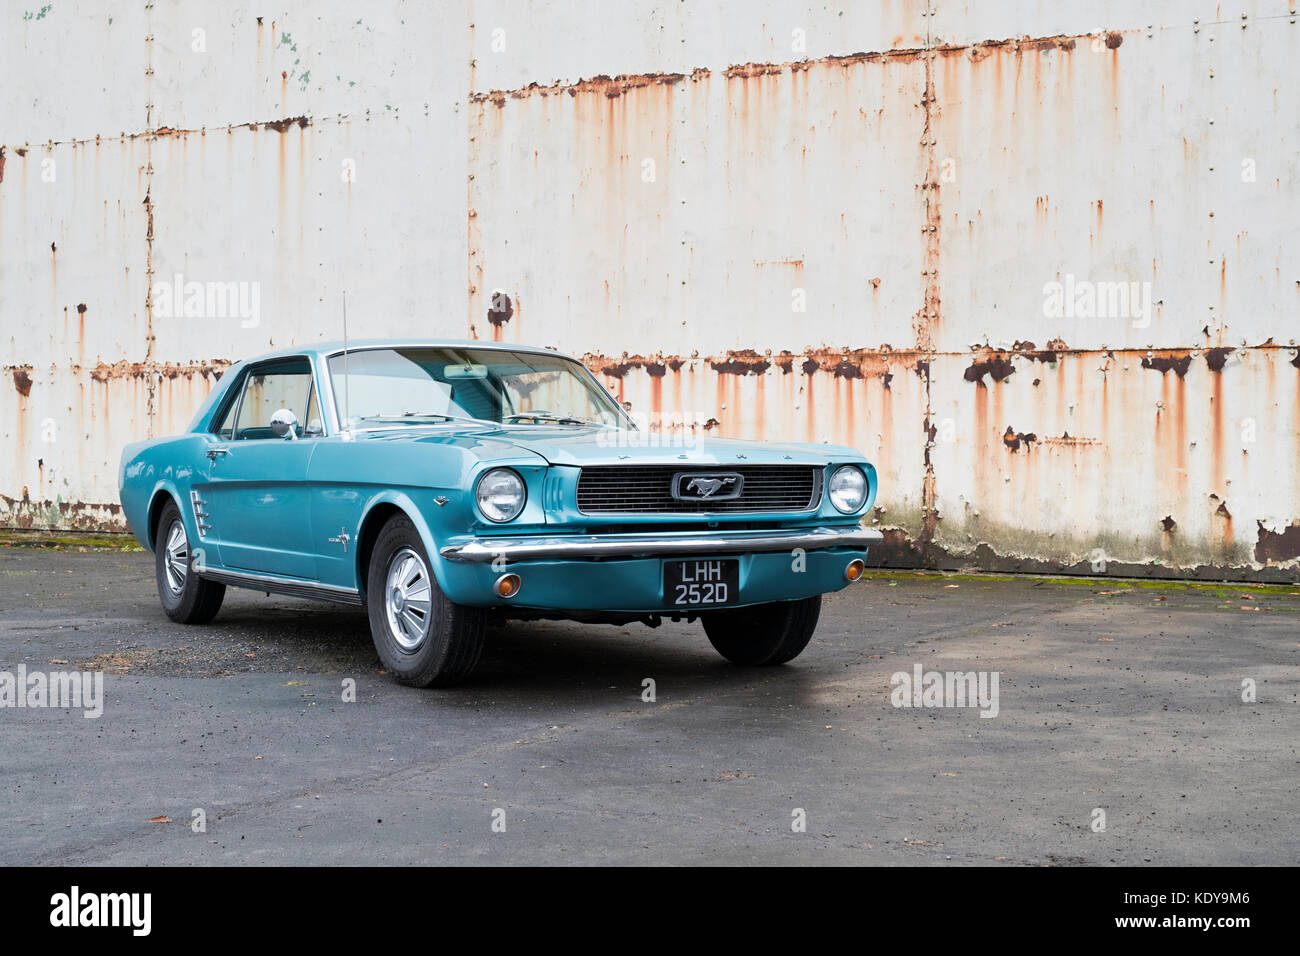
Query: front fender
[379,508]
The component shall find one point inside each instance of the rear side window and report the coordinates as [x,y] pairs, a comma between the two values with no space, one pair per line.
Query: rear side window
[264,390]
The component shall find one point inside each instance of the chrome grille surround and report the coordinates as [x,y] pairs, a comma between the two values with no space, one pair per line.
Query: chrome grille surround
[650,489]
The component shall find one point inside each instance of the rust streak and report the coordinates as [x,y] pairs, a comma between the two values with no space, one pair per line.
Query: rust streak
[149,371]
[1071,440]
[610,87]
[613,87]
[282,125]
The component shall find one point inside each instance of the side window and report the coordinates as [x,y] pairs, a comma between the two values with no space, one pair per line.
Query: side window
[266,389]
[226,428]
[312,423]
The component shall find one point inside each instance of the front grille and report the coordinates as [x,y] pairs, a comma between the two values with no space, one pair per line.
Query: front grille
[624,489]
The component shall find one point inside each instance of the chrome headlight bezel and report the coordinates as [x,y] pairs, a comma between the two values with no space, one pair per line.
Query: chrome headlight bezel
[859,489]
[480,495]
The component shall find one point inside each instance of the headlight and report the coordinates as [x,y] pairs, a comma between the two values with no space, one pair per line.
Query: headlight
[848,488]
[500,494]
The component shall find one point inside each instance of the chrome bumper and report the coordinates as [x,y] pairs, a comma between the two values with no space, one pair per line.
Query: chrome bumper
[661,544]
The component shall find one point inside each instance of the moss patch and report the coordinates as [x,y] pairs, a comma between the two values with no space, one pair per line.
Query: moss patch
[69,540]
[1110,584]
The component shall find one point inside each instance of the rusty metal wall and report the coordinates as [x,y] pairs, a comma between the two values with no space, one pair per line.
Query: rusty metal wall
[763,219]
[296,149]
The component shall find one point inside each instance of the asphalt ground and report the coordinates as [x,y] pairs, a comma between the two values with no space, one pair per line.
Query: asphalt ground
[1124,698]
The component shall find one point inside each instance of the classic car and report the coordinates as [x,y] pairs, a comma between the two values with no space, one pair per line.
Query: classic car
[439,483]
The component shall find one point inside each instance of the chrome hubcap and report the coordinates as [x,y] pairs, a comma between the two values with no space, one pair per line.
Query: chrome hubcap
[408,599]
[176,557]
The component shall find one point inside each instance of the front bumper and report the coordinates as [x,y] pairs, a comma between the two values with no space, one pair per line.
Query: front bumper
[624,572]
[675,544]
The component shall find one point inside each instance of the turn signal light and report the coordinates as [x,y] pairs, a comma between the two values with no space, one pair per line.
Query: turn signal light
[508,585]
[854,570]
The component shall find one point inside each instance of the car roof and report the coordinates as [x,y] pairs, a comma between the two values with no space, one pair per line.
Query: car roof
[358,345]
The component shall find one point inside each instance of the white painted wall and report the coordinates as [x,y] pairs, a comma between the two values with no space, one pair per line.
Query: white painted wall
[916,199]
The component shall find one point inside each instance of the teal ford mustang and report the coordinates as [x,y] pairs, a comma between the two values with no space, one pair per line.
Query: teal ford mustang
[438,483]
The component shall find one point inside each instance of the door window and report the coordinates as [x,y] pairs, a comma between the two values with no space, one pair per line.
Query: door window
[267,389]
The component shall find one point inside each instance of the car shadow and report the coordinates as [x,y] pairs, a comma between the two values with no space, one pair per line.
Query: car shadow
[522,658]
[536,662]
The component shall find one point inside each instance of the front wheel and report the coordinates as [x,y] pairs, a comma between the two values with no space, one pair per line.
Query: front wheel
[423,639]
[764,634]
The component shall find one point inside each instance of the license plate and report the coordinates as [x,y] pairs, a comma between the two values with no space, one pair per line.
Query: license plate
[702,582]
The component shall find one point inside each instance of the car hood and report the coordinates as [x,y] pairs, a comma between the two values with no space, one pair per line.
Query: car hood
[576,446]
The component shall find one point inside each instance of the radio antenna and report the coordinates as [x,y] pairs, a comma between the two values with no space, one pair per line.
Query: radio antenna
[347,385]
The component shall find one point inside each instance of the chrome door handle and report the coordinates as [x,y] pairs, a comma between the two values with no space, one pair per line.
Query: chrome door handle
[214,452]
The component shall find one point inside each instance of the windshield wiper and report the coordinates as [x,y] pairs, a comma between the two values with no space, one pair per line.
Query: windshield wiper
[408,416]
[548,417]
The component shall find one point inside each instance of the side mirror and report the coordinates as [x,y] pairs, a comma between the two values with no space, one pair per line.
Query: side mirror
[285,424]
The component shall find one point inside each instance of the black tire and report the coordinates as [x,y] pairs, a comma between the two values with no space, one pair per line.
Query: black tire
[765,634]
[194,601]
[452,639]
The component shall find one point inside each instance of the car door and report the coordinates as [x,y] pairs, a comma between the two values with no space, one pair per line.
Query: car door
[255,497]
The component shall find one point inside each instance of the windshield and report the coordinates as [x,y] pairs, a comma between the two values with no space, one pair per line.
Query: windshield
[374,388]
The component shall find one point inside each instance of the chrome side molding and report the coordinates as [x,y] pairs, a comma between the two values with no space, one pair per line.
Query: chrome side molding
[290,587]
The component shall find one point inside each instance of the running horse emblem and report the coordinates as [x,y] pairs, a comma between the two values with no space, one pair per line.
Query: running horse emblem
[708,487]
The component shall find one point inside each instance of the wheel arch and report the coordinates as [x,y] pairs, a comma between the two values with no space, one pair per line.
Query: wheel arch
[161,496]
[377,514]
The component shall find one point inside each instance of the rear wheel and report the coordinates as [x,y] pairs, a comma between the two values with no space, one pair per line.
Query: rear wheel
[765,634]
[185,596]
[423,639]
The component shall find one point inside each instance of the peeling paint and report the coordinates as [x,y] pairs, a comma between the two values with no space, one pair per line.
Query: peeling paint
[26,513]
[283,125]
[1217,358]
[1278,547]
[1173,362]
[747,362]
[1014,439]
[997,367]
[502,309]
[150,371]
